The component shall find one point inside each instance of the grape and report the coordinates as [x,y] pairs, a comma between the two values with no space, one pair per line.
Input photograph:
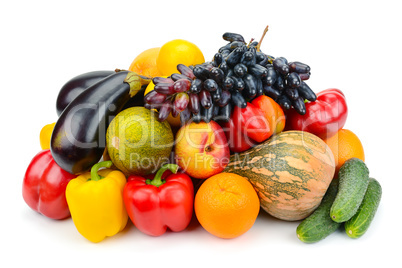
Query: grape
[201,72]
[194,104]
[197,117]
[218,59]
[164,111]
[181,85]
[210,85]
[215,112]
[181,101]
[174,112]
[233,37]
[148,106]
[154,97]
[299,106]
[228,83]
[238,99]
[284,101]
[236,44]
[299,67]
[157,80]
[225,98]
[258,70]
[225,53]
[238,83]
[292,93]
[248,58]
[225,112]
[205,99]
[279,83]
[177,76]
[306,92]
[224,67]
[217,75]
[261,58]
[185,116]
[240,70]
[207,114]
[165,88]
[196,86]
[250,87]
[185,70]
[259,86]
[293,80]
[271,77]
[234,57]
[305,76]
[216,95]
[271,92]
[280,64]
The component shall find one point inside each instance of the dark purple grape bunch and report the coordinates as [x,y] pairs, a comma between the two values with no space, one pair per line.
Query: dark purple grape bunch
[249,73]
[237,74]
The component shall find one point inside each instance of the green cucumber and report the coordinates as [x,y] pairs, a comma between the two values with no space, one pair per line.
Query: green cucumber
[319,225]
[353,182]
[360,222]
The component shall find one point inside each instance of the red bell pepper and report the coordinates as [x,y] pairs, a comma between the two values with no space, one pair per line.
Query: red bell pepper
[253,124]
[44,186]
[154,205]
[324,117]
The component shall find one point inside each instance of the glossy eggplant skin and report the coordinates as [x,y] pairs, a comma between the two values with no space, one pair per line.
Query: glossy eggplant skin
[79,136]
[76,85]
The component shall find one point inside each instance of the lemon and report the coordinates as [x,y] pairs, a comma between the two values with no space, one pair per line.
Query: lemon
[173,121]
[176,52]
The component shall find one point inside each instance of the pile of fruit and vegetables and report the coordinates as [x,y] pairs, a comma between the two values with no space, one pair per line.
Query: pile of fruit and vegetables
[176,136]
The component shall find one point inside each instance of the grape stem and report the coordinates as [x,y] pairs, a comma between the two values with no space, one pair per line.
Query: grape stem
[262,37]
[251,41]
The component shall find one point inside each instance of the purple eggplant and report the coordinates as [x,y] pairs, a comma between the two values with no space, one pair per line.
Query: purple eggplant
[79,136]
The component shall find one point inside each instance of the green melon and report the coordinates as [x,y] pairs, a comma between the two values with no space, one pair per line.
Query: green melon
[137,142]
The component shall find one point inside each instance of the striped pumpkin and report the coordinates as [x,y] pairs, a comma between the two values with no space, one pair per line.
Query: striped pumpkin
[290,172]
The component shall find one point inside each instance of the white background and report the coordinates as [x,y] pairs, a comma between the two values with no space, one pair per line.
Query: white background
[351,45]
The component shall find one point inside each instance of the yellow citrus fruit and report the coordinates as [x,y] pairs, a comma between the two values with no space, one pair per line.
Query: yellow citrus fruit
[345,145]
[173,121]
[226,205]
[176,52]
[45,135]
[145,63]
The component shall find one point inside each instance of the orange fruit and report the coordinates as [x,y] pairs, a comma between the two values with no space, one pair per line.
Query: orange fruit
[145,63]
[226,205]
[345,145]
[175,52]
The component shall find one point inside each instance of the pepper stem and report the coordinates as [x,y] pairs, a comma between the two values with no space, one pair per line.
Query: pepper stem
[157,180]
[94,170]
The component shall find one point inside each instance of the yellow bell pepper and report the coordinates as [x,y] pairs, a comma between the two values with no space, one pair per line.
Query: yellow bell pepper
[95,200]
[45,135]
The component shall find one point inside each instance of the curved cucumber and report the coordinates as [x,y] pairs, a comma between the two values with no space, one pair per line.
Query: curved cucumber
[319,225]
[360,222]
[353,182]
